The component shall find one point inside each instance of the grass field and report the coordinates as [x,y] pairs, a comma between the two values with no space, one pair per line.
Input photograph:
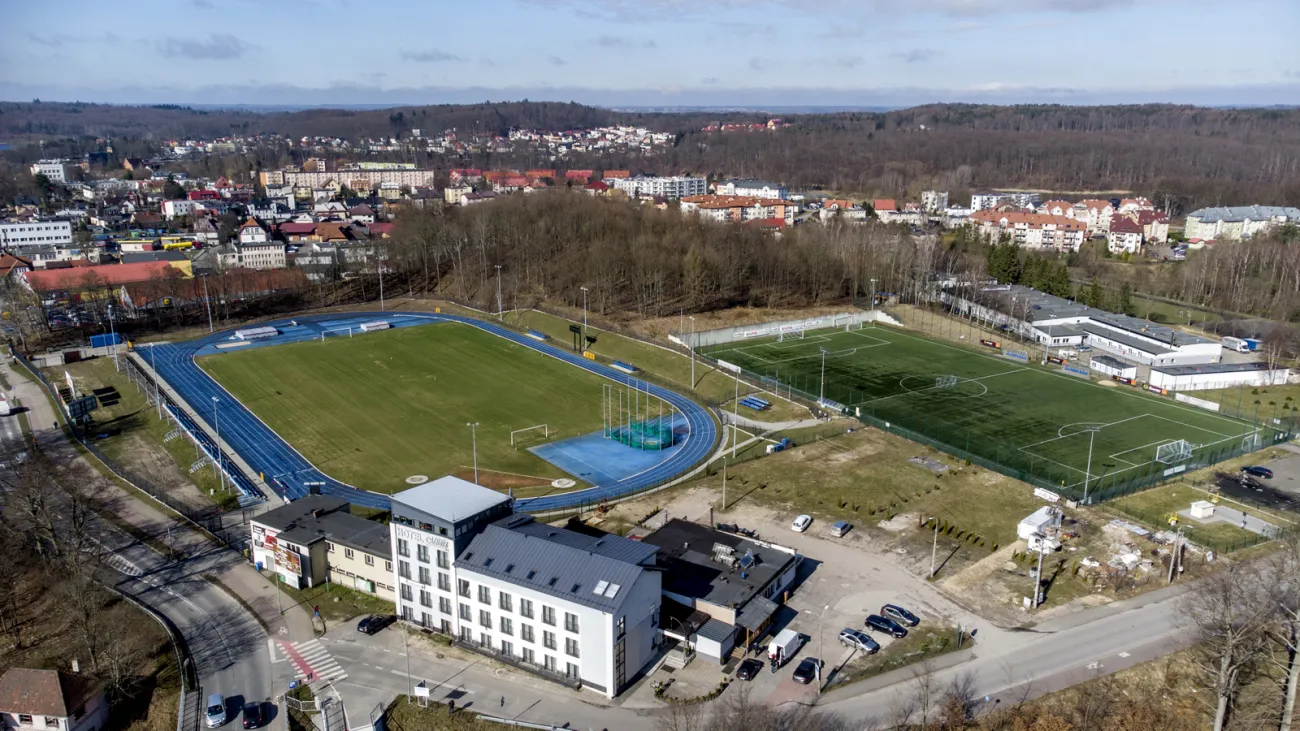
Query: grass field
[374,410]
[1017,414]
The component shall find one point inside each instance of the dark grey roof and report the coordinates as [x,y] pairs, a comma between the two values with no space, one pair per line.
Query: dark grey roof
[1111,361]
[146,256]
[1191,370]
[321,517]
[607,545]
[754,184]
[691,571]
[1142,344]
[755,613]
[1050,307]
[716,630]
[450,498]
[551,568]
[1241,213]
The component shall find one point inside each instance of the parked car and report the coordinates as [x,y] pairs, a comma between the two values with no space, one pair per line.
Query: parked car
[1257,471]
[748,669]
[888,626]
[801,523]
[215,713]
[374,623]
[807,670]
[850,637]
[252,715]
[900,615]
[840,528]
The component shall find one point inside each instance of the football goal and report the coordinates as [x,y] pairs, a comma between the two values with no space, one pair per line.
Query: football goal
[791,335]
[519,435]
[1174,452]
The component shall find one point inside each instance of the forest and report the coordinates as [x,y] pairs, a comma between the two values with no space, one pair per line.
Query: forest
[1181,157]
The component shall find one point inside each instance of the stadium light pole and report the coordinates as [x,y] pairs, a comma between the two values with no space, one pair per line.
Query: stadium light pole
[584,317]
[153,363]
[692,346]
[821,390]
[1087,475]
[207,302]
[216,427]
[112,335]
[501,310]
[873,295]
[380,266]
[473,438]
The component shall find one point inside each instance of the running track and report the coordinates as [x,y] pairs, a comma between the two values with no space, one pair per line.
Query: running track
[287,471]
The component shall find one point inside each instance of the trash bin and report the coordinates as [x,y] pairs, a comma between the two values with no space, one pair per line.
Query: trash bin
[259,565]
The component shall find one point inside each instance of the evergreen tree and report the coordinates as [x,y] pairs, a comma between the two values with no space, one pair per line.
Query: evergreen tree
[1095,296]
[1060,282]
[1125,302]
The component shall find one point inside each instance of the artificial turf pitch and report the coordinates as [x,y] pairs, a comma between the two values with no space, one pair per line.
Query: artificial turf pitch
[1026,417]
[378,408]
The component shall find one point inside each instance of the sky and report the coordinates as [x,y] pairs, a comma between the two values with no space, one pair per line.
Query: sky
[776,53]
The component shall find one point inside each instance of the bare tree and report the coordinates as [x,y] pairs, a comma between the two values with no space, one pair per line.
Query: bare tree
[1285,630]
[1230,615]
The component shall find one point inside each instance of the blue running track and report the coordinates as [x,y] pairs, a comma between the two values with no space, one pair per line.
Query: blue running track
[287,471]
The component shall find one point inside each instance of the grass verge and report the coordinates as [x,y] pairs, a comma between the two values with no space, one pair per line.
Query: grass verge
[407,715]
[921,644]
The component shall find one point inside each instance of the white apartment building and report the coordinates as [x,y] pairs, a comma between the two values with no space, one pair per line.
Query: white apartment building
[676,186]
[1032,230]
[1096,214]
[360,180]
[984,201]
[178,208]
[571,607]
[934,201]
[20,233]
[1234,223]
[740,208]
[55,170]
[752,188]
[262,255]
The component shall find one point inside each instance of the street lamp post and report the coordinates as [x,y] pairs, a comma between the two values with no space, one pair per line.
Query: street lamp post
[821,658]
[112,336]
[500,309]
[207,302]
[584,317]
[1087,475]
[216,458]
[380,266]
[692,347]
[821,390]
[873,295]
[473,436]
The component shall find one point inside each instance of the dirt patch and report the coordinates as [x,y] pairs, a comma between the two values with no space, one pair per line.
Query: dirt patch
[151,461]
[502,480]
[899,523]
[1108,384]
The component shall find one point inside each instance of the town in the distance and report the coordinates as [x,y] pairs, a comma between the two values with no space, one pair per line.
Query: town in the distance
[662,421]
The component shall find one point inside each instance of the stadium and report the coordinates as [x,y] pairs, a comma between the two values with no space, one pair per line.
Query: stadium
[1044,423]
[360,405]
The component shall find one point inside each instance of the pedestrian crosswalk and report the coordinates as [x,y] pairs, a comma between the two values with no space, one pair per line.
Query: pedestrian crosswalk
[119,563]
[311,661]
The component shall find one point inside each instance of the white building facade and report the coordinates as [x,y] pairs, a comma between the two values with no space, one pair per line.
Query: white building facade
[55,170]
[934,201]
[20,233]
[566,606]
[676,186]
[752,188]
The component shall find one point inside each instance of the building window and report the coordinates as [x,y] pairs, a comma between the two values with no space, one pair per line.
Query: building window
[466,613]
[404,569]
[485,618]
[526,633]
[548,615]
[442,560]
[549,663]
[526,608]
[484,639]
[462,586]
[329,547]
[528,656]
[507,626]
[426,577]
[571,622]
[422,553]
[570,647]
[507,648]
[570,670]
[484,595]
[347,553]
[388,566]
[466,634]
[548,640]
[370,560]
[444,605]
[51,722]
[505,601]
[622,626]
[406,592]
[24,719]
[444,581]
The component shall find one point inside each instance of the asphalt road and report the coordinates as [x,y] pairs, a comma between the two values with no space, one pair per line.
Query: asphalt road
[228,646]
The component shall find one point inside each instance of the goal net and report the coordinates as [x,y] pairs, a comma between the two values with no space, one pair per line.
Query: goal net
[648,434]
[1173,452]
[791,335]
[529,432]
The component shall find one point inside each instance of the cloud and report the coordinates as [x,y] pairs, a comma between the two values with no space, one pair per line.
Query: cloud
[432,55]
[664,10]
[709,81]
[844,62]
[221,46]
[916,55]
[758,63]
[51,41]
[487,63]
[556,61]
[624,42]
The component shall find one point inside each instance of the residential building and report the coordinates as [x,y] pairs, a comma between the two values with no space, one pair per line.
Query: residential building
[261,255]
[568,606]
[885,206]
[178,208]
[358,180]
[740,208]
[1125,236]
[1056,208]
[1236,223]
[1133,205]
[1155,225]
[55,170]
[752,188]
[934,201]
[1095,214]
[51,700]
[984,201]
[52,232]
[721,590]
[13,267]
[452,193]
[1032,230]
[317,538]
[253,232]
[671,187]
[840,208]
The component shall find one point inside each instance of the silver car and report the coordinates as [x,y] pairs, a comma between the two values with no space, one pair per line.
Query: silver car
[215,710]
[850,637]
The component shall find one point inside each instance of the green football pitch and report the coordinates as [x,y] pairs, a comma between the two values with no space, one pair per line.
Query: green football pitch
[1034,421]
[376,409]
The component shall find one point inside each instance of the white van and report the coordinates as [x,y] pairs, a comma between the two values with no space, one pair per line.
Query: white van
[784,646]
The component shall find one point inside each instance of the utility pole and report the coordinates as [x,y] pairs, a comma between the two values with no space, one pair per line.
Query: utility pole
[381,283]
[821,392]
[473,436]
[934,550]
[501,310]
[692,346]
[820,657]
[584,318]
[1087,475]
[112,335]
[1175,557]
[1038,579]
[724,484]
[216,458]
[873,295]
[735,416]
[207,302]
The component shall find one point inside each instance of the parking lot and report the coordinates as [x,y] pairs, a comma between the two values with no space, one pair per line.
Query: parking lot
[1281,492]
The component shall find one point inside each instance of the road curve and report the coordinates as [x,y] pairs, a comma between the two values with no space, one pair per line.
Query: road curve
[289,472]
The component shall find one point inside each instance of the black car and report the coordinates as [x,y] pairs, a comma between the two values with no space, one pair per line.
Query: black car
[374,623]
[900,615]
[748,669]
[252,715]
[807,670]
[888,626]
[1255,471]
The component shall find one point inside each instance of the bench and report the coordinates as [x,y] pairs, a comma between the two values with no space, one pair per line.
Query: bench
[538,336]
[625,367]
[757,404]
